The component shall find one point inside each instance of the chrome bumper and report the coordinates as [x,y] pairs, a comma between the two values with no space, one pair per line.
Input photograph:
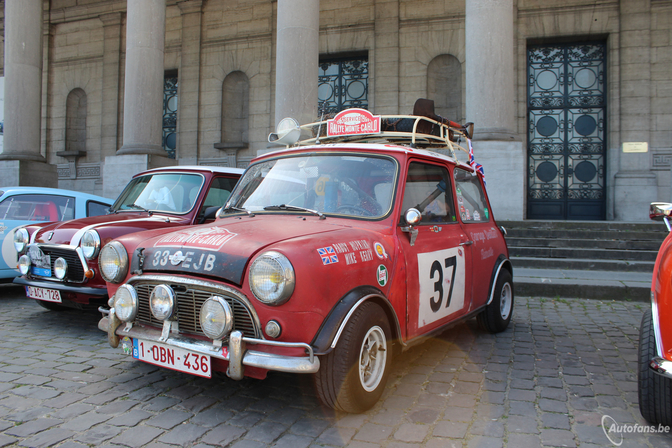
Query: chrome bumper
[238,356]
[661,366]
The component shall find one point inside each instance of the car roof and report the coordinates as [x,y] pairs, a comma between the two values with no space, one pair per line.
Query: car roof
[374,148]
[10,191]
[199,168]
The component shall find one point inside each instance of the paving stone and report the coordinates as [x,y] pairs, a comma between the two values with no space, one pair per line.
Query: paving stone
[98,434]
[183,435]
[168,419]
[48,438]
[223,435]
[32,427]
[137,436]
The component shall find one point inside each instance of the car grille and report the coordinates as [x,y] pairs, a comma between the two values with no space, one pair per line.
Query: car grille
[190,298]
[75,269]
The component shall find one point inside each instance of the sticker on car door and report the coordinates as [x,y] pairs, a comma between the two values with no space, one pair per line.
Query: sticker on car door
[441,277]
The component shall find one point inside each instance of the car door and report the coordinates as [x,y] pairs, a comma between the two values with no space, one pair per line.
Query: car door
[438,256]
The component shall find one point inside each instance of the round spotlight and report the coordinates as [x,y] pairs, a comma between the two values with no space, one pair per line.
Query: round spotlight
[24,264]
[60,268]
[126,303]
[216,317]
[162,302]
[273,329]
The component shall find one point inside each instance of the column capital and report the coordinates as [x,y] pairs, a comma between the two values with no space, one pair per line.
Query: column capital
[190,6]
[111,19]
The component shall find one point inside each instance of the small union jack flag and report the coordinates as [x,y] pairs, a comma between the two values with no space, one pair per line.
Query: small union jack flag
[474,164]
[328,255]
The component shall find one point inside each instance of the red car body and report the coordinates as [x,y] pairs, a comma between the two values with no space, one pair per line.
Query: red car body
[360,276]
[82,284]
[655,334]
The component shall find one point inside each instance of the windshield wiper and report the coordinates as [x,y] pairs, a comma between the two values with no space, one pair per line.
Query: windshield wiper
[237,209]
[139,207]
[295,208]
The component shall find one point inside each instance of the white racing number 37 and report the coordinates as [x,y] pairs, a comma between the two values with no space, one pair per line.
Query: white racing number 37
[441,280]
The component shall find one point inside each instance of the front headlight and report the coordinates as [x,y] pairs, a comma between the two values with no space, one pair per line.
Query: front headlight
[90,244]
[162,302]
[24,264]
[216,317]
[272,278]
[60,268]
[113,262]
[21,239]
[126,303]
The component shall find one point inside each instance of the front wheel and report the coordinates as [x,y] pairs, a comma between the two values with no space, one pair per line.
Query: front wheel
[654,391]
[496,316]
[352,377]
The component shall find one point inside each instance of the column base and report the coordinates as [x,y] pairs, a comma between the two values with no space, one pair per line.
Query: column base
[504,166]
[633,193]
[29,173]
[152,150]
[118,170]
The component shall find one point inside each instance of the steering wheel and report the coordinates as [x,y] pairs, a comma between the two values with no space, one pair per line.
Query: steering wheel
[363,196]
[358,211]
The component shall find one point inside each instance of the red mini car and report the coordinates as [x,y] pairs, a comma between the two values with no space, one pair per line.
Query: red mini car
[59,261]
[327,259]
[655,336]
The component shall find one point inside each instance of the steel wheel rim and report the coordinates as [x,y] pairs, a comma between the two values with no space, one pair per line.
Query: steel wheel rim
[372,358]
[506,301]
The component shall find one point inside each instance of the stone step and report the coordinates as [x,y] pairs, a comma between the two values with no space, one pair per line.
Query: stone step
[584,243]
[587,234]
[585,253]
[582,264]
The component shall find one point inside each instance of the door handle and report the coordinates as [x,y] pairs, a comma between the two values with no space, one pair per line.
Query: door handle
[467,243]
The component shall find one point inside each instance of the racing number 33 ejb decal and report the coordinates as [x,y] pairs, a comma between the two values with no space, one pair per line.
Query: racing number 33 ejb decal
[441,279]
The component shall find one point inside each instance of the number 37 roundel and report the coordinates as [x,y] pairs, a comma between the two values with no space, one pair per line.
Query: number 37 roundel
[441,278]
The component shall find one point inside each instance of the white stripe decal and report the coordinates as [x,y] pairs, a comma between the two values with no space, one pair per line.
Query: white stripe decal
[76,238]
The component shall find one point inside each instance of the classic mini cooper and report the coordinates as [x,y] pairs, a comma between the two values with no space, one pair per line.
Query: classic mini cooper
[329,257]
[655,333]
[58,262]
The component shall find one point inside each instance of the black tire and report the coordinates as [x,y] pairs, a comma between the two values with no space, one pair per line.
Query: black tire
[495,317]
[364,341]
[51,306]
[654,391]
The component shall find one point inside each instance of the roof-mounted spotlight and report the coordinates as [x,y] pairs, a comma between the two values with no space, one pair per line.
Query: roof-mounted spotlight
[287,132]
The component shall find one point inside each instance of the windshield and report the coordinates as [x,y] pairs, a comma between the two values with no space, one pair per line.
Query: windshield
[168,192]
[353,185]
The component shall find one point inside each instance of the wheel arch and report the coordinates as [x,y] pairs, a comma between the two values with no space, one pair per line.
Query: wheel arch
[329,332]
[502,263]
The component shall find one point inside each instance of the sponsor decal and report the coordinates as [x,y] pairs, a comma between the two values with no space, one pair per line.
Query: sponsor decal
[212,238]
[354,122]
[127,345]
[435,229]
[351,249]
[380,251]
[477,216]
[328,255]
[381,275]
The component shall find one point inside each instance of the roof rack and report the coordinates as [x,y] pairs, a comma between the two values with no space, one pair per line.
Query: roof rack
[412,130]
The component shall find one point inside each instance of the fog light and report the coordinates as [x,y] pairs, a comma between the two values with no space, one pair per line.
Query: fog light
[162,302]
[126,303]
[273,329]
[24,264]
[216,317]
[60,268]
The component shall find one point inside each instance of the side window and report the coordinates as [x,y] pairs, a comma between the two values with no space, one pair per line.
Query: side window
[470,197]
[96,208]
[38,207]
[220,190]
[428,188]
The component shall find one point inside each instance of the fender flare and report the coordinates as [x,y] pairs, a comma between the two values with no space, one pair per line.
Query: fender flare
[330,331]
[502,263]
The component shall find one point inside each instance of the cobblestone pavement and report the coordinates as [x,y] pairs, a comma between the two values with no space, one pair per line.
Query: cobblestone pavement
[547,381]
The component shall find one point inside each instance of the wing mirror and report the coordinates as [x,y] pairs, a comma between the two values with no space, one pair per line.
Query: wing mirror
[661,211]
[413,218]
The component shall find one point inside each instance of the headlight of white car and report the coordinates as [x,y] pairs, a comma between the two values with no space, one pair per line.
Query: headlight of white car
[21,239]
[272,278]
[113,262]
[90,244]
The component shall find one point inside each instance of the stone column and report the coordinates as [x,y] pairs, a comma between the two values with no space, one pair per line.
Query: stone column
[143,91]
[386,53]
[143,97]
[635,185]
[297,59]
[111,60]
[491,103]
[21,162]
[190,78]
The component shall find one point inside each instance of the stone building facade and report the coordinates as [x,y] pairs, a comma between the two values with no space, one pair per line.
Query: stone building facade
[572,100]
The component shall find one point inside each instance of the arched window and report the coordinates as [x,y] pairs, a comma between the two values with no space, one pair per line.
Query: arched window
[444,86]
[235,108]
[75,121]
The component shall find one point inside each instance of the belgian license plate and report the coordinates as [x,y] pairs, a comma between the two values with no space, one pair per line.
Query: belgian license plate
[172,357]
[48,295]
